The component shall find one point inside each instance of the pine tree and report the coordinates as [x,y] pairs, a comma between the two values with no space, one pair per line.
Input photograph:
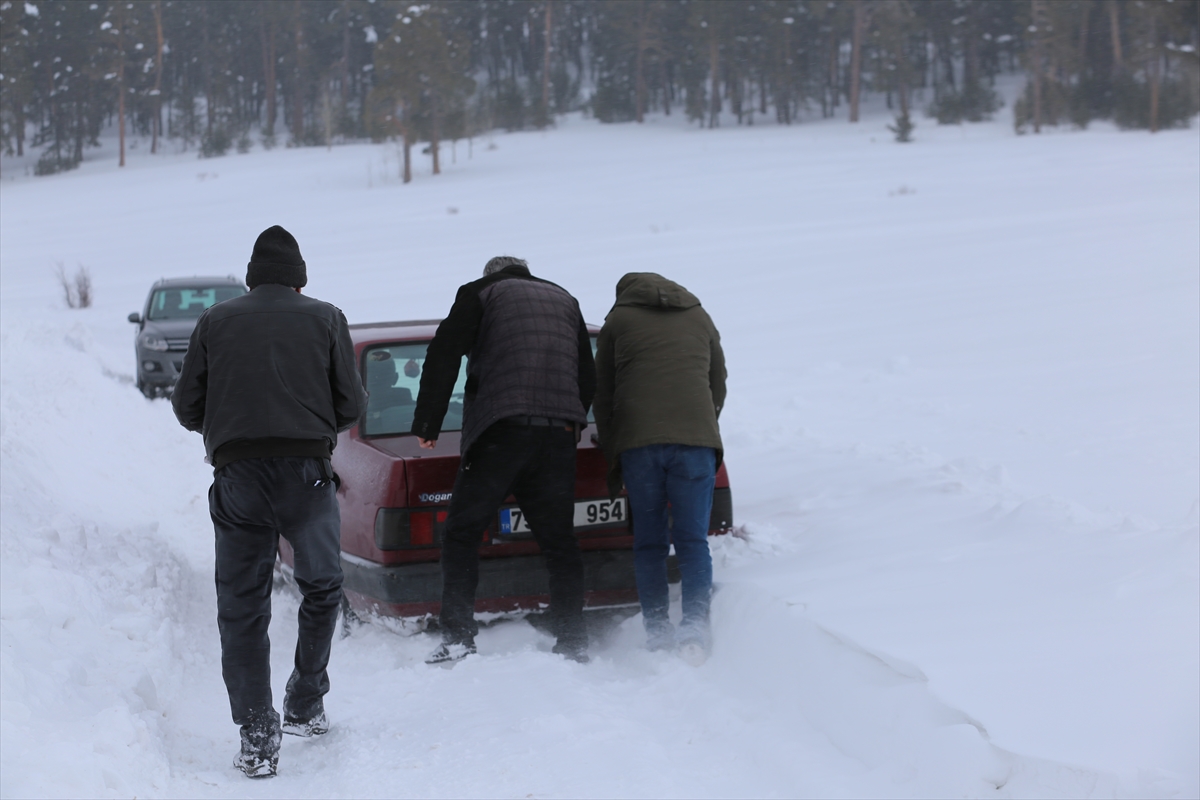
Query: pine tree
[421,79]
[895,23]
[16,82]
[70,68]
[617,60]
[1160,87]
[214,71]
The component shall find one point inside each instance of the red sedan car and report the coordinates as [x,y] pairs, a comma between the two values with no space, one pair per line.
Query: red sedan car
[394,498]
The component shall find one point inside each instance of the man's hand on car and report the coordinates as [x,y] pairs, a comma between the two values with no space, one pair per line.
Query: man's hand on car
[427,444]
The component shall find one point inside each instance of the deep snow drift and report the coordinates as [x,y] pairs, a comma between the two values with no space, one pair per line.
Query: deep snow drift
[963,432]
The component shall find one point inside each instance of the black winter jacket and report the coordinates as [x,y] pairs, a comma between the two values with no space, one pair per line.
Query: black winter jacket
[529,353]
[270,373]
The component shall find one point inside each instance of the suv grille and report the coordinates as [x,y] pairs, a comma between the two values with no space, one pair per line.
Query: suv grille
[178,345]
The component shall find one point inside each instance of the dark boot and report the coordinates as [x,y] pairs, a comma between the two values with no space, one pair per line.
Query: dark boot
[313,725]
[450,652]
[259,755]
[572,649]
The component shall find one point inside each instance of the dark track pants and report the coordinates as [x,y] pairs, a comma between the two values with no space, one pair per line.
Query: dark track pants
[536,464]
[253,502]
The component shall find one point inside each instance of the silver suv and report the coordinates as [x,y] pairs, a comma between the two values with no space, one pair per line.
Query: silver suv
[166,323]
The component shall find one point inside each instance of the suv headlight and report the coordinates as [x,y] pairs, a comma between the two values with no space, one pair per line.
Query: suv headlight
[152,341]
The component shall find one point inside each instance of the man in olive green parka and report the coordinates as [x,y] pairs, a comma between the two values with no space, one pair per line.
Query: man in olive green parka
[660,386]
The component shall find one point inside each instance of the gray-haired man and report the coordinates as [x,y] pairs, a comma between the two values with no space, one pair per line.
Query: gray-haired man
[530,381]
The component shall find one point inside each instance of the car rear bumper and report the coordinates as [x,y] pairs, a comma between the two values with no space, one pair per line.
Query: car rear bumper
[504,583]
[721,520]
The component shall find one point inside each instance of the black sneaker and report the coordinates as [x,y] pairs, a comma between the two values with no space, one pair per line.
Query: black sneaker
[575,652]
[451,652]
[306,727]
[259,755]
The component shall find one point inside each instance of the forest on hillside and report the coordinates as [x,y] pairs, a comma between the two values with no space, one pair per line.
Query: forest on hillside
[218,75]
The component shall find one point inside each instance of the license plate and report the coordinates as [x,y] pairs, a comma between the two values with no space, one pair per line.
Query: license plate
[588,514]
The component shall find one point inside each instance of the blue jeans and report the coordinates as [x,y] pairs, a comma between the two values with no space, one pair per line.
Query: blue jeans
[682,476]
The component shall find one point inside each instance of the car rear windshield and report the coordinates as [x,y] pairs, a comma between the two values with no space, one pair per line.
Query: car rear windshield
[392,374]
[189,303]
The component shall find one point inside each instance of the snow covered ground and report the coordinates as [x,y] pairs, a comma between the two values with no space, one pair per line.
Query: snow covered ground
[963,432]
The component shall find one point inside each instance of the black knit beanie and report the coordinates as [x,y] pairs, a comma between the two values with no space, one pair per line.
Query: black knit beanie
[276,259]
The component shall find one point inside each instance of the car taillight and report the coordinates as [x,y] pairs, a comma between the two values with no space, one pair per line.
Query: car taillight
[420,528]
[391,528]
[399,528]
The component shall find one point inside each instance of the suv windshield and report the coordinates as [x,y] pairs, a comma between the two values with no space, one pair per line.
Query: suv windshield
[189,303]
[392,374]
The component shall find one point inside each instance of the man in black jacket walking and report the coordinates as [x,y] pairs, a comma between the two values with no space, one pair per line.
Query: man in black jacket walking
[530,382]
[269,380]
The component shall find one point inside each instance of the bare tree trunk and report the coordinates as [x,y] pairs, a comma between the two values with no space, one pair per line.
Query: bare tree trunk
[786,94]
[268,44]
[666,84]
[640,80]
[79,128]
[546,51]
[1114,21]
[929,75]
[1085,32]
[734,87]
[971,67]
[1155,71]
[947,54]
[121,81]
[156,129]
[297,124]
[121,120]
[834,92]
[407,173]
[327,113]
[206,58]
[714,51]
[856,47]
[435,135]
[1037,102]
[1039,21]
[345,93]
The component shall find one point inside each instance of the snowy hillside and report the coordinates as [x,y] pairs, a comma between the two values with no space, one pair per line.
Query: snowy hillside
[963,433]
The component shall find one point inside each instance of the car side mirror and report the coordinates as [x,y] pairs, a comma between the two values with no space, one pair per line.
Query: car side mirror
[135,318]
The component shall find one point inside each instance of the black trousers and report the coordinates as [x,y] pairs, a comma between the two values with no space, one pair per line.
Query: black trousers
[537,465]
[253,502]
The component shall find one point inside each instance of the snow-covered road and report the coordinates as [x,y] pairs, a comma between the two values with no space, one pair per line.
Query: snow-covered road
[963,434]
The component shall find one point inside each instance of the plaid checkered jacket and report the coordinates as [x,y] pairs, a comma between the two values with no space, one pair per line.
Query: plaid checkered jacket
[528,351]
